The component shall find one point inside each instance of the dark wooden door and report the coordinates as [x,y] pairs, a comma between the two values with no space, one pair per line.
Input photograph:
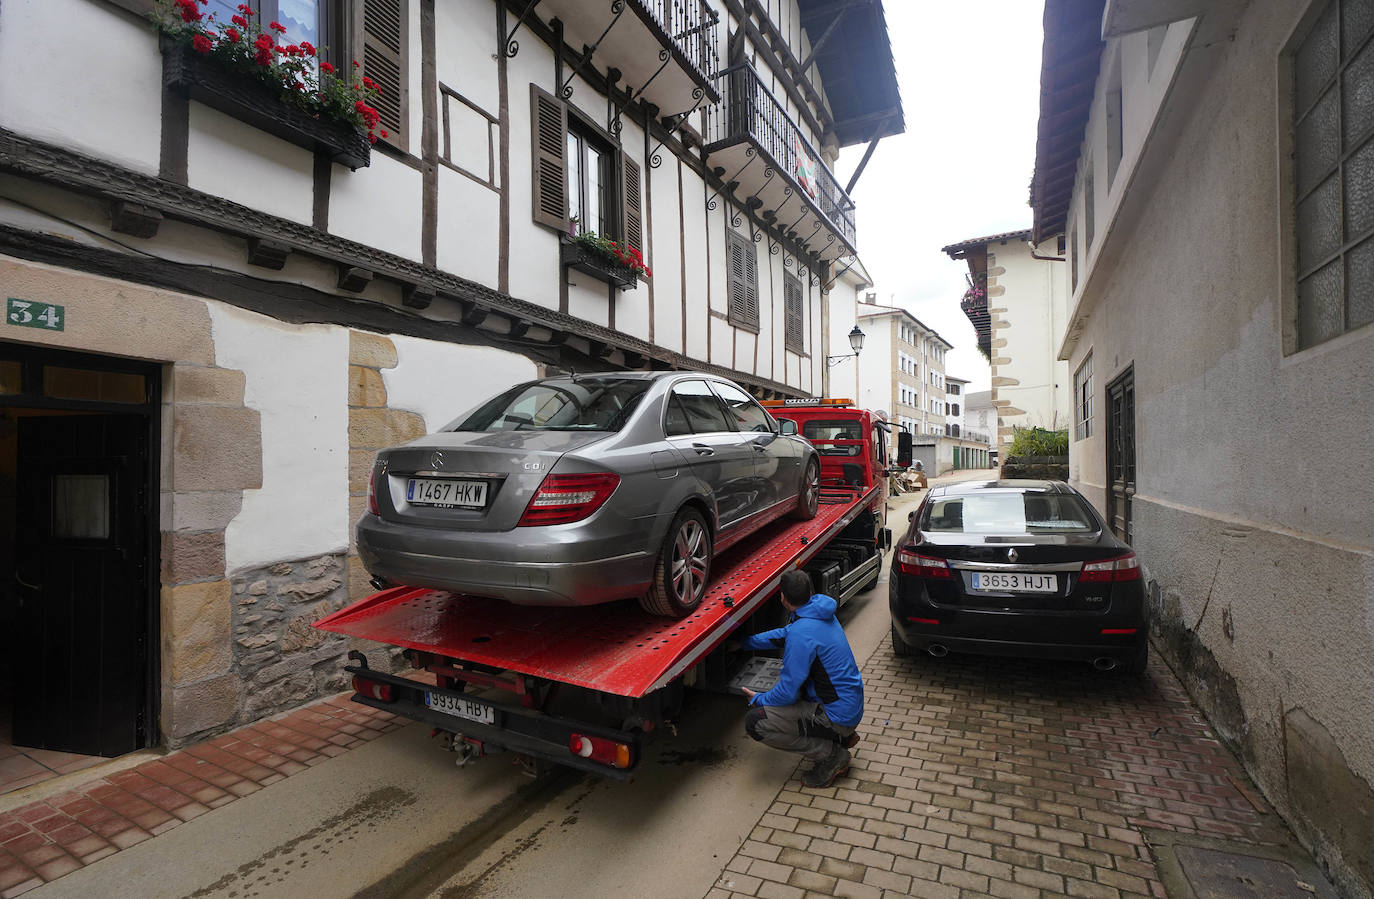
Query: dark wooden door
[81,560]
[1121,453]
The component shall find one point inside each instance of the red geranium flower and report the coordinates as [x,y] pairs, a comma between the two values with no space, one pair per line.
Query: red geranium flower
[264,42]
[263,57]
[240,21]
[356,64]
[202,43]
[245,9]
[367,82]
[384,132]
[308,48]
[277,26]
[326,68]
[190,12]
[233,35]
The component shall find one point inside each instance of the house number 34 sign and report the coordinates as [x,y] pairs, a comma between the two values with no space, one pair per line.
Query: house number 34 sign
[30,314]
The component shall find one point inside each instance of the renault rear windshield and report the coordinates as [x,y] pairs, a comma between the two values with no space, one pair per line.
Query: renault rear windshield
[1009,512]
[562,404]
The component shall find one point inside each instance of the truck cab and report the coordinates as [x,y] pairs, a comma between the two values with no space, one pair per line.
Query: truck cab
[852,442]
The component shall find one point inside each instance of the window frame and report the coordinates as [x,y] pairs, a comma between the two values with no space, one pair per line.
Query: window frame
[587,134]
[1083,399]
[1348,149]
[794,314]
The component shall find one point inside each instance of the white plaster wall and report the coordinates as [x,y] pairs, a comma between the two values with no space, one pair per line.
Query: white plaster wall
[534,269]
[705,291]
[875,365]
[468,242]
[379,206]
[83,76]
[465,40]
[296,377]
[667,258]
[1030,309]
[230,159]
[1252,507]
[441,381]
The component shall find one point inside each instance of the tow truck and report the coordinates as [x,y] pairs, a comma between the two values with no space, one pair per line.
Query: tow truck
[587,687]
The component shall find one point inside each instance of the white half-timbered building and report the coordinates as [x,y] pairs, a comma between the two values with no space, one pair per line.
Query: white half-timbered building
[219,307]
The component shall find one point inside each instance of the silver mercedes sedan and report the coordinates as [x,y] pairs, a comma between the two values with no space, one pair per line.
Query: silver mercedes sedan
[586,489]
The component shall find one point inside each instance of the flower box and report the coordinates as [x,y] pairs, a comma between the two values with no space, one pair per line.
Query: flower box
[249,100]
[581,258]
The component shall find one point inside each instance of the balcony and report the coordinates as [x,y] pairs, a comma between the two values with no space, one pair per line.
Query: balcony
[665,49]
[773,169]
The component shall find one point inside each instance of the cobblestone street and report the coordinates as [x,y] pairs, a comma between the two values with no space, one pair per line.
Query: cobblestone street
[1004,777]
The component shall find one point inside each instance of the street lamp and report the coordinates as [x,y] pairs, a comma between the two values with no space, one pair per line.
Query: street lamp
[856,343]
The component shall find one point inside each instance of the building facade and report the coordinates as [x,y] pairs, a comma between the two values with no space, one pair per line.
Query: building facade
[1206,164]
[1017,301]
[223,303]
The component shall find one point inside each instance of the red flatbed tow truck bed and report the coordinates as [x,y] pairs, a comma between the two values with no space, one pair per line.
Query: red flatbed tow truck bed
[616,648]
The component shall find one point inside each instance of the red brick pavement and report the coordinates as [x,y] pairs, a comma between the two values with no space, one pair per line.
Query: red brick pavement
[1002,777]
[44,840]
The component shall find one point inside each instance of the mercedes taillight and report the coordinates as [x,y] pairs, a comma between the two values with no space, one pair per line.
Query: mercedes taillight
[565,498]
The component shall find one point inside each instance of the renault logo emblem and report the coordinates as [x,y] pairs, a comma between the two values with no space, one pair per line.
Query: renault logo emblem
[1011,555]
[436,461]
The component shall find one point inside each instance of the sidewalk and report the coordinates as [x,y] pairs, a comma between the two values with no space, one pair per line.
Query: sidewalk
[45,839]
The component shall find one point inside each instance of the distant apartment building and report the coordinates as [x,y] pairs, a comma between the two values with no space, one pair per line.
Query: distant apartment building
[901,371]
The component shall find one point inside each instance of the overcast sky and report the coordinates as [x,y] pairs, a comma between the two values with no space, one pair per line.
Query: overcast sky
[969,73]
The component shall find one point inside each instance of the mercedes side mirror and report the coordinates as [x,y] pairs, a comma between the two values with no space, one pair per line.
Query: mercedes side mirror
[787,427]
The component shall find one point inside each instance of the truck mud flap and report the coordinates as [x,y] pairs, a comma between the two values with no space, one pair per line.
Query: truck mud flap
[499,724]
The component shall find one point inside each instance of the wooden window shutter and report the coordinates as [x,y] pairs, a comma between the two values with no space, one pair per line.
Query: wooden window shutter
[383,57]
[793,314]
[549,158]
[631,209]
[751,268]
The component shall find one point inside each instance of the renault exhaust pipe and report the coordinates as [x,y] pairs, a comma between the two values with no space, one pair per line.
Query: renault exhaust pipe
[1104,663]
[937,650]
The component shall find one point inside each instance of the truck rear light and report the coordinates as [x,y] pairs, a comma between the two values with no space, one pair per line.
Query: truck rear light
[911,562]
[373,689]
[599,749]
[1121,568]
[564,498]
[372,494]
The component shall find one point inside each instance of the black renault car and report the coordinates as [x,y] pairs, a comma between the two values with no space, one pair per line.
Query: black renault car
[1017,568]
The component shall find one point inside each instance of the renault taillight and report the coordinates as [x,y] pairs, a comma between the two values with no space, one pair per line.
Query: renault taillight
[1120,568]
[911,562]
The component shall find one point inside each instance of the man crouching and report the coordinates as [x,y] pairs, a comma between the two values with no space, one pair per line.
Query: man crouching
[819,698]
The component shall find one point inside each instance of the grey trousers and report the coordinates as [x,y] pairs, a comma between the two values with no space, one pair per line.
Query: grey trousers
[802,727]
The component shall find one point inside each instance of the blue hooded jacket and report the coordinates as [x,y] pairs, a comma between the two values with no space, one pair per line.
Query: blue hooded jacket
[816,662]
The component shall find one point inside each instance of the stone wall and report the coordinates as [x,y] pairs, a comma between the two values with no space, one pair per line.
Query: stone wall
[280,658]
[371,427]
[1046,468]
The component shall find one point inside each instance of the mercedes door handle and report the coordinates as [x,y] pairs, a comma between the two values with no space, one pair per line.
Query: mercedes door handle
[760,448]
[703,450]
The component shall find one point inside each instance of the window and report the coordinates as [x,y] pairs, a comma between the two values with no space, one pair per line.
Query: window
[579,172]
[694,409]
[1333,108]
[742,281]
[589,183]
[953,408]
[953,389]
[1116,133]
[747,414]
[793,324]
[1009,512]
[1083,399]
[585,404]
[1089,211]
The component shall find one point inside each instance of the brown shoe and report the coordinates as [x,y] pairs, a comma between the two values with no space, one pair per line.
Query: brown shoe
[850,741]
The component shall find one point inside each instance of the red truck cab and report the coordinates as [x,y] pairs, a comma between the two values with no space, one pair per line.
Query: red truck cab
[852,442]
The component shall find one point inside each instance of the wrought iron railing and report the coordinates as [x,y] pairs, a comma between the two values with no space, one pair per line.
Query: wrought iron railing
[691,25]
[749,111]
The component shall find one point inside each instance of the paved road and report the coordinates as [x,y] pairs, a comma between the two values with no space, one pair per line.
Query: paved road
[975,777]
